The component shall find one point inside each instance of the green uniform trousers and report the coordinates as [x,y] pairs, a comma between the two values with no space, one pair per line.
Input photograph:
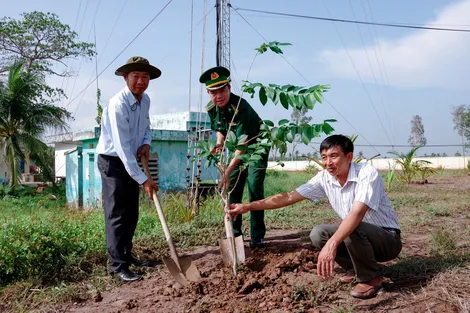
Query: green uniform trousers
[255,175]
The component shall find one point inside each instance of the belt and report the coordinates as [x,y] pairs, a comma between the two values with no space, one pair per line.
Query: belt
[393,231]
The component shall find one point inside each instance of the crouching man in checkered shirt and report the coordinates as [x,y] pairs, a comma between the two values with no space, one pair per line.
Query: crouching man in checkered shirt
[369,231]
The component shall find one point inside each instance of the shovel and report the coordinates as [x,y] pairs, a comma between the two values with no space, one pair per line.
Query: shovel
[182,269]
[232,248]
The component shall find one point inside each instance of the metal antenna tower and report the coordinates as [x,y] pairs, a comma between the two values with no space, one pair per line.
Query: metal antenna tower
[223,33]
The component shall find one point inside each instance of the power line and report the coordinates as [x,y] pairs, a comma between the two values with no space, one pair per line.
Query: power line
[355,22]
[119,54]
[81,60]
[381,65]
[370,66]
[298,72]
[102,52]
[359,76]
[173,48]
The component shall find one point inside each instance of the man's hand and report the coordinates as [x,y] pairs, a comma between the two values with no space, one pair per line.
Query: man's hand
[217,149]
[149,187]
[326,260]
[238,208]
[144,150]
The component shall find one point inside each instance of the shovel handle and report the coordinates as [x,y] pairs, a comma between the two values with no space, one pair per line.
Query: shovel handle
[231,238]
[174,255]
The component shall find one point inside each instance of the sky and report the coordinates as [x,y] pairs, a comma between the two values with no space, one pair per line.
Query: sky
[380,77]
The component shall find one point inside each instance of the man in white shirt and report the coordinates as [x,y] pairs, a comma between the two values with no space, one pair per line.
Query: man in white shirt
[369,231]
[125,137]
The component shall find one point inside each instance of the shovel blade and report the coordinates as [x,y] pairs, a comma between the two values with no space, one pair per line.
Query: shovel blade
[226,251]
[187,273]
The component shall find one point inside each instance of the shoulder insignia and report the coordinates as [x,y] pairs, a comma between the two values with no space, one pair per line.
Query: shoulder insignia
[210,106]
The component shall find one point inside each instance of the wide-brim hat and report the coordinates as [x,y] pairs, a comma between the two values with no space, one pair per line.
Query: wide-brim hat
[138,64]
[215,78]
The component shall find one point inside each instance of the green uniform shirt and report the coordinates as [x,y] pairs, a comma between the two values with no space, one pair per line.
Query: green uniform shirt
[246,121]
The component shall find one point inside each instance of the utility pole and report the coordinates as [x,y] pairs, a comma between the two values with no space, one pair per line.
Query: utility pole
[223,33]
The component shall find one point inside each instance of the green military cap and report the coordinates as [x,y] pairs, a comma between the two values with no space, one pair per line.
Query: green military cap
[215,78]
[138,64]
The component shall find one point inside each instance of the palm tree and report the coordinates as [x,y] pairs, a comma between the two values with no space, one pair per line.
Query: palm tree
[406,162]
[23,118]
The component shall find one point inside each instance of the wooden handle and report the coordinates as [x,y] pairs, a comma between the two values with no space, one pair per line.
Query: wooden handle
[166,231]
[231,238]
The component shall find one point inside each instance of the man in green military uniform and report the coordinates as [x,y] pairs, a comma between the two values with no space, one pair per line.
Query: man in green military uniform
[229,111]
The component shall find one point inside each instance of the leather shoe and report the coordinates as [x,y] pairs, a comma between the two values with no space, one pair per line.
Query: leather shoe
[140,263]
[366,290]
[257,243]
[348,277]
[127,276]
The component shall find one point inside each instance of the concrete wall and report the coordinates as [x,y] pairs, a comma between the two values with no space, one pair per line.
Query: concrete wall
[92,186]
[74,181]
[381,164]
[172,150]
[179,121]
[60,157]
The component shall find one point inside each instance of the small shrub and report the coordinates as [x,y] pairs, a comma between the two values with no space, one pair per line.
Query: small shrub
[276,174]
[438,211]
[312,169]
[440,170]
[468,165]
[443,242]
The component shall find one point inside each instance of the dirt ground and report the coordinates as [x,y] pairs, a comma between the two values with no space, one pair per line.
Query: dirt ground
[282,278]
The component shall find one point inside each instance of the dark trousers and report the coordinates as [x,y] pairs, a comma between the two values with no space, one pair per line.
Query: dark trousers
[255,175]
[361,251]
[121,210]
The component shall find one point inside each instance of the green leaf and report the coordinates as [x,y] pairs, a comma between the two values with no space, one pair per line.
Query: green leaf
[242,139]
[255,157]
[276,49]
[307,134]
[299,103]
[313,88]
[286,87]
[318,95]
[262,96]
[260,150]
[232,138]
[280,134]
[243,157]
[275,96]
[292,99]
[284,100]
[282,122]
[327,129]
[309,101]
[269,123]
[274,132]
[241,148]
[290,136]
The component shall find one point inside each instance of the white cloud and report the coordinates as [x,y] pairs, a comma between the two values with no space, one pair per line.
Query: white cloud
[423,58]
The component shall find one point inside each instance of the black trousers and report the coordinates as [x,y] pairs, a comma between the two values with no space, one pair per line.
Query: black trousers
[121,210]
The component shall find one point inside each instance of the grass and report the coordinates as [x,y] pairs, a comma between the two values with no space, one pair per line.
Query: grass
[50,254]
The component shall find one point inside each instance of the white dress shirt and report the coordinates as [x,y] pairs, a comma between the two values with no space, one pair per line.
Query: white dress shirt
[125,127]
[363,184]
